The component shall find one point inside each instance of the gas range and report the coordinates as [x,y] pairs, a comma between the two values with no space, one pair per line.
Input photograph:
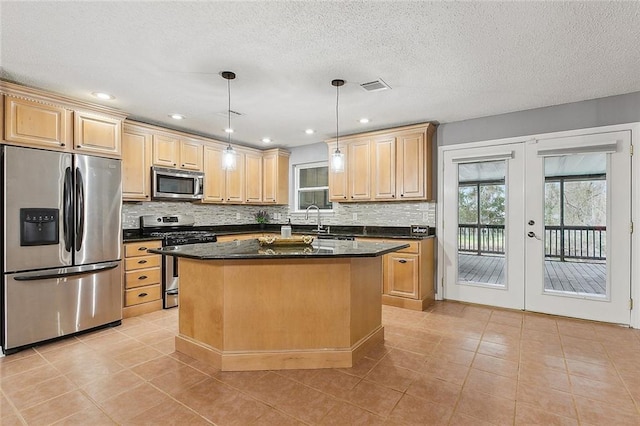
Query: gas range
[174,230]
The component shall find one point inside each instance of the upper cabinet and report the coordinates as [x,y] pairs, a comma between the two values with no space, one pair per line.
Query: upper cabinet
[253,177]
[38,119]
[275,176]
[136,163]
[96,134]
[386,165]
[36,124]
[215,177]
[177,153]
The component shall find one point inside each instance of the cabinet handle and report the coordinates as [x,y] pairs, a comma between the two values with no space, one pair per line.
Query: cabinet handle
[142,261]
[142,295]
[62,144]
[402,261]
[142,248]
[402,195]
[78,146]
[142,277]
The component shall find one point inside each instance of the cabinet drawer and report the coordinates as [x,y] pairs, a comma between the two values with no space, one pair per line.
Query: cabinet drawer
[414,246]
[140,277]
[141,295]
[142,262]
[140,248]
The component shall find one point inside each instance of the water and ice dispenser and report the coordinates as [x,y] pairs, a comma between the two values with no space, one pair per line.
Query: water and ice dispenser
[39,227]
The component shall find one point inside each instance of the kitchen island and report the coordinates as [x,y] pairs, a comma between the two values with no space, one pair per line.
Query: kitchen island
[244,306]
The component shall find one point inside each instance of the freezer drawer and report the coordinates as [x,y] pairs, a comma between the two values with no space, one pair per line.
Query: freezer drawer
[52,303]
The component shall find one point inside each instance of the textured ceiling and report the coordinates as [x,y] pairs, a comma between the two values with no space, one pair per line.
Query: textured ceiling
[445,61]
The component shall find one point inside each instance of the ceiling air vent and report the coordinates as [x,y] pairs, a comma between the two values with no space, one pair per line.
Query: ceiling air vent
[375,85]
[231,112]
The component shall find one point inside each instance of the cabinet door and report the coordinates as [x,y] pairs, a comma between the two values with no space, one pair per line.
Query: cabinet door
[35,124]
[384,168]
[338,181]
[253,178]
[95,134]
[165,151]
[412,163]
[403,271]
[234,188]
[275,177]
[359,170]
[136,165]
[214,175]
[191,155]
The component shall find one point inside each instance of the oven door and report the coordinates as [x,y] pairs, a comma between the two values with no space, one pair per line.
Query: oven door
[169,184]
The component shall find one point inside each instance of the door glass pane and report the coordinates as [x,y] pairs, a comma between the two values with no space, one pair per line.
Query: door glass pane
[575,236]
[481,223]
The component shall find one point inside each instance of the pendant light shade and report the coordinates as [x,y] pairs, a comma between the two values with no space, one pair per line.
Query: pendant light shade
[229,156]
[337,158]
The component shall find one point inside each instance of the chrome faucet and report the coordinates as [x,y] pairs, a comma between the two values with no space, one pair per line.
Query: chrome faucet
[318,210]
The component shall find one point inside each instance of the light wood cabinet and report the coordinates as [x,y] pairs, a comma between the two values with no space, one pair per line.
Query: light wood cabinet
[338,189]
[408,274]
[142,278]
[36,124]
[253,177]
[275,176]
[96,134]
[359,170]
[172,152]
[215,177]
[166,151]
[384,168]
[414,160]
[191,155]
[386,165]
[235,182]
[136,162]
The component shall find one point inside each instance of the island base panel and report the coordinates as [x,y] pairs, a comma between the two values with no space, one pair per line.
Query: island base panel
[283,360]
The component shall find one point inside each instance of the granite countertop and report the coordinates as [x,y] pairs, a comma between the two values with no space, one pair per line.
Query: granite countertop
[251,249]
[387,232]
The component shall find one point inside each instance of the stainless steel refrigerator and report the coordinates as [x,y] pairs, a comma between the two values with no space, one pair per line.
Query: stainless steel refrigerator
[61,244]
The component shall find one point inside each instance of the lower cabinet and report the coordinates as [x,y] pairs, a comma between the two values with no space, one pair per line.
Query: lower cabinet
[408,274]
[142,278]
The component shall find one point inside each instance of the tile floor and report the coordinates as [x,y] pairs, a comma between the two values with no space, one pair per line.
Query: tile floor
[454,364]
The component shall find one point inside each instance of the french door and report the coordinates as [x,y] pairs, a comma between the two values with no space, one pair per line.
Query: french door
[542,225]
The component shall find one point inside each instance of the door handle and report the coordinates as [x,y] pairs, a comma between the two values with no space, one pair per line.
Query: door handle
[532,234]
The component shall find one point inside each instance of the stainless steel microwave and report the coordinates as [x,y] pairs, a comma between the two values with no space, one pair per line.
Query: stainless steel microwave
[172,184]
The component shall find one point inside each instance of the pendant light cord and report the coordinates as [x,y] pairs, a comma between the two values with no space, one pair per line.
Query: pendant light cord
[337,102]
[229,112]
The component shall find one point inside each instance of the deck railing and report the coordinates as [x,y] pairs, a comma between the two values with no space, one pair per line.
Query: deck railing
[562,242]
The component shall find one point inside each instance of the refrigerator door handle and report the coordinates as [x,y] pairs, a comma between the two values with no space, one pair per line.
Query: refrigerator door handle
[65,272]
[67,215]
[79,209]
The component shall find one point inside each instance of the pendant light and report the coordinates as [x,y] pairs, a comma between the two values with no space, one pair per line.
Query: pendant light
[229,156]
[337,158]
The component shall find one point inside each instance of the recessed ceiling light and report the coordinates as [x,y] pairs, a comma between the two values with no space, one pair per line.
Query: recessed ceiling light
[364,120]
[309,131]
[177,116]
[266,140]
[104,96]
[228,130]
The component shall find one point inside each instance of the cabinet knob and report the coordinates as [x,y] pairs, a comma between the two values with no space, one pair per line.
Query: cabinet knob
[62,144]
[183,165]
[142,295]
[142,248]
[402,261]
[142,261]
[352,196]
[393,195]
[174,164]
[142,277]
[78,146]
[345,197]
[402,195]
[146,196]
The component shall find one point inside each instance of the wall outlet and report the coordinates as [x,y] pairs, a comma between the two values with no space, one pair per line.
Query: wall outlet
[355,216]
[238,216]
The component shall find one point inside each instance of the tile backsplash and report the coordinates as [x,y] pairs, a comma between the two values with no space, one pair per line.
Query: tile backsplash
[372,214]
